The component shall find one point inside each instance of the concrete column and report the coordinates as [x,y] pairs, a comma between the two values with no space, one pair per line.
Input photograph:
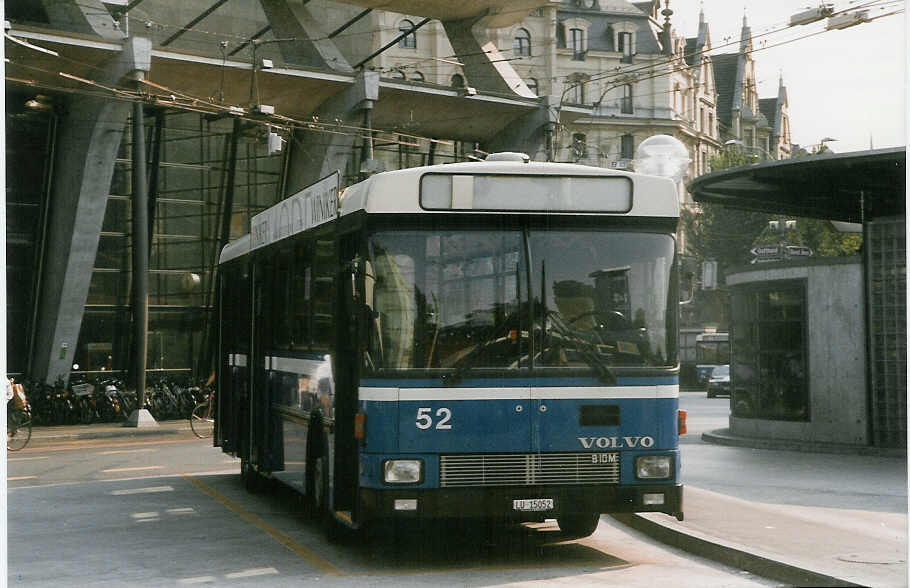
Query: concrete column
[320,154]
[485,67]
[531,133]
[87,144]
[311,46]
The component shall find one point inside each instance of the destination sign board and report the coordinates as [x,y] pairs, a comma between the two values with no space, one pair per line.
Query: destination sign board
[314,205]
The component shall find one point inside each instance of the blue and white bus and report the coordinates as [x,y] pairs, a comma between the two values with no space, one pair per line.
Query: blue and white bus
[491,339]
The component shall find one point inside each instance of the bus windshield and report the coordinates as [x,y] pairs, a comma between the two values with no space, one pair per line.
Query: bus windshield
[459,300]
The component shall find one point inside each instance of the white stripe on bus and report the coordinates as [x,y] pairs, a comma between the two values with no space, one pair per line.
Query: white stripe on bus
[544,393]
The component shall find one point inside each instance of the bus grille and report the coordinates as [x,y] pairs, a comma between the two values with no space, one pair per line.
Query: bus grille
[516,469]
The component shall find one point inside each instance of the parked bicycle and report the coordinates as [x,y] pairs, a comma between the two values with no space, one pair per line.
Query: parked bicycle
[18,418]
[202,419]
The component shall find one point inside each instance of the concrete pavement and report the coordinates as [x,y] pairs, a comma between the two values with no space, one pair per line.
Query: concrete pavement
[800,546]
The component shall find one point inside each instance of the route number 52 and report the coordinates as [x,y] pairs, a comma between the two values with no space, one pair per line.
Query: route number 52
[425,419]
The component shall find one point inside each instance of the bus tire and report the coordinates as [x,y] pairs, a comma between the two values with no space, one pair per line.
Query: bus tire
[577,525]
[250,477]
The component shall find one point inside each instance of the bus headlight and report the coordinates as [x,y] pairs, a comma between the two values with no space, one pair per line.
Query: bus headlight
[653,466]
[402,471]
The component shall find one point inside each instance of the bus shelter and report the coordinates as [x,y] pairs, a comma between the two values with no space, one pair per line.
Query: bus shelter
[819,346]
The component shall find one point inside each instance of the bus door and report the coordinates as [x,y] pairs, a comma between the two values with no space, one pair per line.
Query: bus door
[347,376]
[263,273]
[233,362]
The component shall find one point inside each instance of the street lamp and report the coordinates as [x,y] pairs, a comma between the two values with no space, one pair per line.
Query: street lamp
[741,145]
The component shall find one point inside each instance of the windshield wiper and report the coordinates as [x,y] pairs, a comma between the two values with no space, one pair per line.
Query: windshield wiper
[471,359]
[586,349]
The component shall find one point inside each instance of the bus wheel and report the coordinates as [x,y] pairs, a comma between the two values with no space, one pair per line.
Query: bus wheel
[578,525]
[250,477]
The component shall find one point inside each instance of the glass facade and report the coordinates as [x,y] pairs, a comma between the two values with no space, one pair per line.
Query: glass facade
[769,351]
[188,188]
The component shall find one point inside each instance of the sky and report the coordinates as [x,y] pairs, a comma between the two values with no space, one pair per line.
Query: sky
[845,84]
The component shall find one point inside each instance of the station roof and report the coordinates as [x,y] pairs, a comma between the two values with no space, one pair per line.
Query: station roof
[831,186]
[404,106]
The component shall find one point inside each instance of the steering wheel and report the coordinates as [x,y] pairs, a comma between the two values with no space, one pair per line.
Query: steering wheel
[604,318]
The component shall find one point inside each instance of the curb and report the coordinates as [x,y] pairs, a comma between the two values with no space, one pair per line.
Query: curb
[50,435]
[724,437]
[728,554]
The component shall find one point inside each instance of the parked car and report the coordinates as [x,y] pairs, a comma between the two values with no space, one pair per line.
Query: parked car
[719,381]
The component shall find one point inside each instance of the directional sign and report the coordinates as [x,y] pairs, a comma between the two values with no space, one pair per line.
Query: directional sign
[798,251]
[766,250]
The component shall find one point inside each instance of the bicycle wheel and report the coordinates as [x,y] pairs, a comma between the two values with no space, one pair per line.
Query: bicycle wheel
[18,428]
[201,421]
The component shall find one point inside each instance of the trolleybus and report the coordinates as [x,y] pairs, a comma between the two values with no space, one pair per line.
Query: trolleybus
[491,339]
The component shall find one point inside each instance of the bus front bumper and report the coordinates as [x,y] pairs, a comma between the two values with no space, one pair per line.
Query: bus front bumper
[518,502]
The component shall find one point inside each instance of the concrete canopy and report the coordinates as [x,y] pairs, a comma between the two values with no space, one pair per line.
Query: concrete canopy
[840,187]
[403,107]
[495,13]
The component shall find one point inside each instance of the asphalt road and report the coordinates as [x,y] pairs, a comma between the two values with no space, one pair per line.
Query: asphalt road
[785,477]
[172,511]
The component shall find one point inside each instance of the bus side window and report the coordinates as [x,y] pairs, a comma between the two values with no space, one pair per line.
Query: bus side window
[323,295]
[301,307]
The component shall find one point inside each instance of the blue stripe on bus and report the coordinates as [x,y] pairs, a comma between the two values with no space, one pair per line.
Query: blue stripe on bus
[520,382]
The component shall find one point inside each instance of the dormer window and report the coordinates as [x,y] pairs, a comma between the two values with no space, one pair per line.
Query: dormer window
[576,42]
[624,38]
[625,46]
[576,31]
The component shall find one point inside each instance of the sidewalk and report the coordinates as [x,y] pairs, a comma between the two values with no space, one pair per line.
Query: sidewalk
[106,430]
[799,546]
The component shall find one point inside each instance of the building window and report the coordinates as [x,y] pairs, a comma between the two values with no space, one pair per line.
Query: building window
[457,81]
[575,41]
[626,104]
[397,74]
[701,119]
[625,47]
[627,147]
[577,92]
[416,77]
[522,43]
[409,40]
[768,375]
[711,124]
[532,84]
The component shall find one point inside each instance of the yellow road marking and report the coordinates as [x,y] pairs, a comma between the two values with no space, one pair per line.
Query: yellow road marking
[301,550]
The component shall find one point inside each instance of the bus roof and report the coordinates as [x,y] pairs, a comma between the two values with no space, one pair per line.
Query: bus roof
[504,184]
[605,191]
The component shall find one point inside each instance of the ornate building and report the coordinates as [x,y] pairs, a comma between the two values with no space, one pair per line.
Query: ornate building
[759,124]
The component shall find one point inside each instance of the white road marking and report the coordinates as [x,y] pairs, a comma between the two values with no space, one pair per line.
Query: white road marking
[145,515]
[27,458]
[14,478]
[150,490]
[117,451]
[251,573]
[197,580]
[181,511]
[137,469]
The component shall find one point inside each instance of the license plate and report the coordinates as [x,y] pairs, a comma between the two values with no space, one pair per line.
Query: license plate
[533,504]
